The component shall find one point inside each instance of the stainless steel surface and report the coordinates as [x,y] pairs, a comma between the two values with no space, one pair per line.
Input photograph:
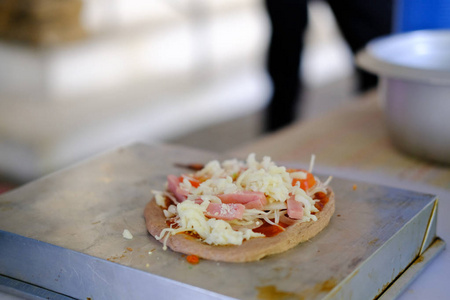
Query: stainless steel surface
[86,277]
[415,86]
[64,233]
[12,289]
[414,270]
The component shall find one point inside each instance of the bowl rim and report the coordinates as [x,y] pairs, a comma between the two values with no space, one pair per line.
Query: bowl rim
[368,59]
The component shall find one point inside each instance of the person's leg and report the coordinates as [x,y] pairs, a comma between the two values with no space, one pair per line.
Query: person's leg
[288,19]
[361,21]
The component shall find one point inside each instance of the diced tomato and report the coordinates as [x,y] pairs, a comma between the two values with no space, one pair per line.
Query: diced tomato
[194,181]
[305,184]
[192,259]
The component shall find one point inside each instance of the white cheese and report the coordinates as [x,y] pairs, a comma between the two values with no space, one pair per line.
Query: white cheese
[170,212]
[186,184]
[160,198]
[308,204]
[127,234]
[223,234]
[215,186]
[192,217]
[212,231]
[275,182]
[232,166]
[311,163]
[212,169]
[167,214]
[298,175]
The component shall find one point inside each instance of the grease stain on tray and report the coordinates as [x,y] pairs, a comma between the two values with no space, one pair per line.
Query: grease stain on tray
[271,292]
[374,241]
[419,259]
[119,257]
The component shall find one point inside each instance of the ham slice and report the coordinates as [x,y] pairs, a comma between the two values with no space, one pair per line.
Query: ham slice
[248,198]
[254,204]
[173,183]
[225,211]
[294,209]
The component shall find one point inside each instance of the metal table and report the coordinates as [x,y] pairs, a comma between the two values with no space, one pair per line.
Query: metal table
[62,236]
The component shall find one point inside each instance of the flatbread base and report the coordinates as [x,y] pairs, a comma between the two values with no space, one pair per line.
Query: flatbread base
[250,250]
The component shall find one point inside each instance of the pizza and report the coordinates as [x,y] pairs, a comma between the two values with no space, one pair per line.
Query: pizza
[239,211]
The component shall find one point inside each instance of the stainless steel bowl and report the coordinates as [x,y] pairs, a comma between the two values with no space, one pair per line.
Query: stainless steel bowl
[414,70]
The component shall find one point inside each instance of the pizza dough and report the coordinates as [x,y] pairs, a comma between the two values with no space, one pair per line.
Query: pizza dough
[250,250]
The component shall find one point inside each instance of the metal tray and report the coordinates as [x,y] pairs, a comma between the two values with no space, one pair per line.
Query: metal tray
[62,234]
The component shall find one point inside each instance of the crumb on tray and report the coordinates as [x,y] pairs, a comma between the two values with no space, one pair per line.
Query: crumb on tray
[127,234]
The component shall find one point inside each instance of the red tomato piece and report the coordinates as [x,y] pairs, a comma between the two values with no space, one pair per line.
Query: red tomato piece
[194,181]
[305,184]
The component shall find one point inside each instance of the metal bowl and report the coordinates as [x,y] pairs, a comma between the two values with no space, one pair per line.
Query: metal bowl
[414,71]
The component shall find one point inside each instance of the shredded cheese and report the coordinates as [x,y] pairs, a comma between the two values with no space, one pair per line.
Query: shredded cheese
[233,176]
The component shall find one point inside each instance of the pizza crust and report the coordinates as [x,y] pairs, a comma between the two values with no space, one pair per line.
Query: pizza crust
[250,250]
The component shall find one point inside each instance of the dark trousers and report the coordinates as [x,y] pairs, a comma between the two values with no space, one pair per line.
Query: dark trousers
[359,21]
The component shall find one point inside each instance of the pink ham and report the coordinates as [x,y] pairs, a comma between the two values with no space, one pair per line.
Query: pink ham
[225,211]
[254,204]
[248,198]
[172,183]
[173,187]
[198,201]
[294,208]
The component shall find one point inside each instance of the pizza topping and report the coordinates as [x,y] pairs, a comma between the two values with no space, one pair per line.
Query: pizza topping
[173,185]
[248,198]
[170,212]
[192,218]
[230,202]
[266,177]
[322,200]
[225,211]
[223,234]
[294,209]
[270,230]
[306,180]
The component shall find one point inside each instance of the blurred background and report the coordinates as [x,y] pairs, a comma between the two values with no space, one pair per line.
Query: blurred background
[80,77]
